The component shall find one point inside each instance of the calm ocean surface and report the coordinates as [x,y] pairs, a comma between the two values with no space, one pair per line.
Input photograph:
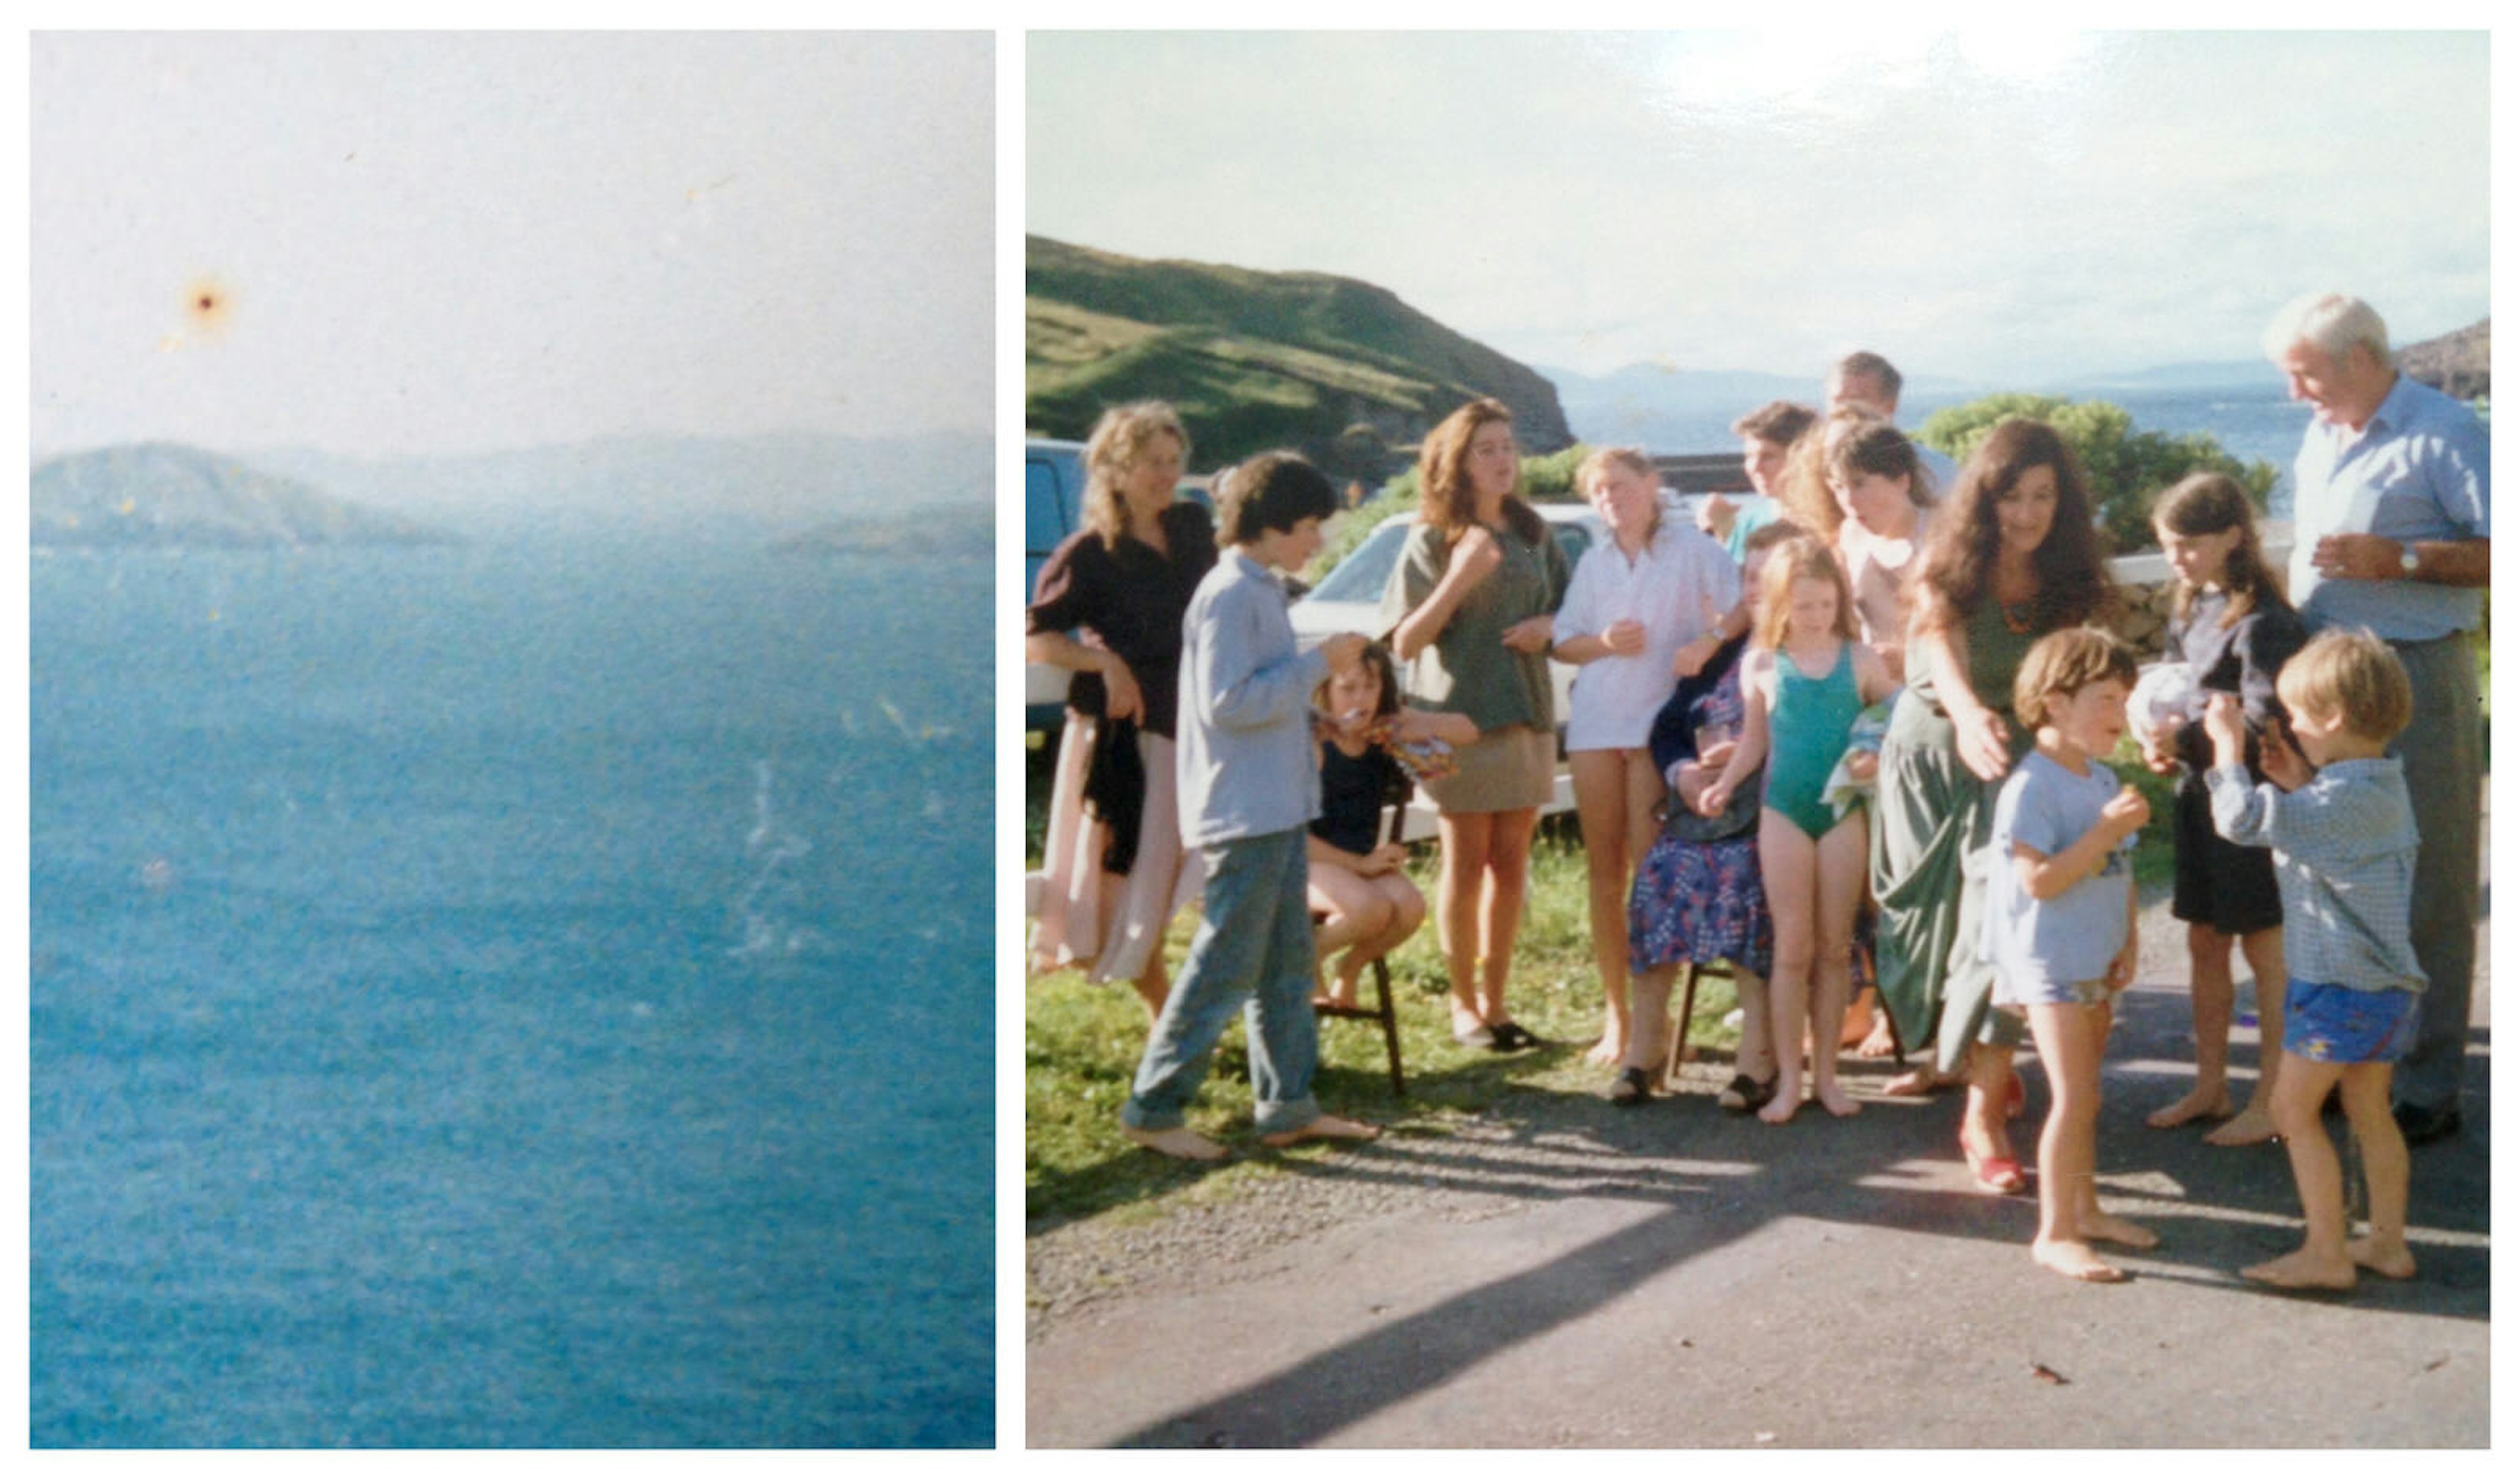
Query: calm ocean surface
[513,996]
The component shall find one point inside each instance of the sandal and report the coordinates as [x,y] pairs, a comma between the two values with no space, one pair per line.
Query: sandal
[1747,1094]
[1511,1037]
[2000,1174]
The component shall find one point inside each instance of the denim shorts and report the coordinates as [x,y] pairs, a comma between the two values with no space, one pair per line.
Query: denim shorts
[2338,1024]
[2020,996]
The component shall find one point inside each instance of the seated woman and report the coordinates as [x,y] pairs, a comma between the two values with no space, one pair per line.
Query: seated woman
[1698,895]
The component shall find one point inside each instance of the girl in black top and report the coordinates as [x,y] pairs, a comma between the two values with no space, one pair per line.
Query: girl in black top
[2234,630]
[1356,880]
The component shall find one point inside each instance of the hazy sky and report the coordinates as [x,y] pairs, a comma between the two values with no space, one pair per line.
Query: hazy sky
[454,243]
[1991,207]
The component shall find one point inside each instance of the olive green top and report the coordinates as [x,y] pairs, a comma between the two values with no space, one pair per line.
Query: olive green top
[1468,669]
[1995,655]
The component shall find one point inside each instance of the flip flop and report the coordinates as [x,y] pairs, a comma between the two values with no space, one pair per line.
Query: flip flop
[1511,1037]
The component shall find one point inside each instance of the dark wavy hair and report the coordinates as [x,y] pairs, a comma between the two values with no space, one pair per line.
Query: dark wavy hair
[1446,499]
[1956,574]
[2210,503]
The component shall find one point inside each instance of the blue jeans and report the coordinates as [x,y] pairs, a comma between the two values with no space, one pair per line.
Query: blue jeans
[1254,951]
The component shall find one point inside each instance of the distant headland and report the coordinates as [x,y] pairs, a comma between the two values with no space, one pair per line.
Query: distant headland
[167,495]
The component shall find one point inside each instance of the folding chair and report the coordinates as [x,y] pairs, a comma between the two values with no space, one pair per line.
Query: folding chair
[1395,804]
[1690,971]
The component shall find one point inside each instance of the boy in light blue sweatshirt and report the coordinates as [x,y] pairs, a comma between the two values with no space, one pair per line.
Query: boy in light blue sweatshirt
[1248,789]
[2343,830]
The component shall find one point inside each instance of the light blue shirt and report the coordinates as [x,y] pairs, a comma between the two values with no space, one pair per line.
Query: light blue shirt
[1243,746]
[2345,864]
[2418,471]
[2073,937]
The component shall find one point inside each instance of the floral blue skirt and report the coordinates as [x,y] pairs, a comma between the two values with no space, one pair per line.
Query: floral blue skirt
[1700,901]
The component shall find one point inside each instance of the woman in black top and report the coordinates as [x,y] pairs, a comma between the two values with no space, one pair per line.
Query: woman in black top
[1117,874]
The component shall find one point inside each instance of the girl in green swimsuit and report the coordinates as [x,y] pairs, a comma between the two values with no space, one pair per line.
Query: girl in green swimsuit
[1811,859]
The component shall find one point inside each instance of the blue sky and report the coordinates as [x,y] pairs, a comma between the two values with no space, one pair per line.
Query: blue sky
[448,243]
[1983,205]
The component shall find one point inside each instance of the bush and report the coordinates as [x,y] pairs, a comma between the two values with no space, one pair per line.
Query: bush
[1544,480]
[2127,467]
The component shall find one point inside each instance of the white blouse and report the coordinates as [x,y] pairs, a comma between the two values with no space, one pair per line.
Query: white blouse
[1678,586]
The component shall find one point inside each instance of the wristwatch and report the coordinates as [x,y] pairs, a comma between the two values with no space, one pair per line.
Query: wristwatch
[2407,561]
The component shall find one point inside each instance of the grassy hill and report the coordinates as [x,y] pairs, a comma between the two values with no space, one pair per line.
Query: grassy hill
[1339,370]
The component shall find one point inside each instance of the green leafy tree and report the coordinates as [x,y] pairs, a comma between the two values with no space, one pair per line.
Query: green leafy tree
[1544,480]
[2128,468]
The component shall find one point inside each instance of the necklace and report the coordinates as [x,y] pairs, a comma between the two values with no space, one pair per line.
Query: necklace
[2018,616]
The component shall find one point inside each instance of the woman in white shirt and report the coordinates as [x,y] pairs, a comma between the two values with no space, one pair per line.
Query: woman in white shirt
[1646,605]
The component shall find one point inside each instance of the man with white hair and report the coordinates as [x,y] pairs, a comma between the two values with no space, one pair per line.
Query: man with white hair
[2391,493]
[1865,380]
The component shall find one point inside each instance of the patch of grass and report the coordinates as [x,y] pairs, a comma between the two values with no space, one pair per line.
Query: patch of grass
[1081,1046]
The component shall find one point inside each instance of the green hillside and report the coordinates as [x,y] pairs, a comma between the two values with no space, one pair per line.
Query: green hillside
[1339,370]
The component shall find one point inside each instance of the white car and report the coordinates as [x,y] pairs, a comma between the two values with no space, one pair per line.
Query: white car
[1349,598]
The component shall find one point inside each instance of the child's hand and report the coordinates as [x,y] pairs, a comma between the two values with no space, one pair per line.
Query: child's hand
[2283,763]
[1862,765]
[1712,800]
[1625,637]
[2226,728]
[1530,634]
[2160,752]
[2126,812]
[2122,966]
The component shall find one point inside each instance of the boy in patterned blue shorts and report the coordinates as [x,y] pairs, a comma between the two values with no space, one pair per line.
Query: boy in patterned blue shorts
[2343,830]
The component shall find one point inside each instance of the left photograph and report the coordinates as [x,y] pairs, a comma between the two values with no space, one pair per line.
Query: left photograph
[509,673]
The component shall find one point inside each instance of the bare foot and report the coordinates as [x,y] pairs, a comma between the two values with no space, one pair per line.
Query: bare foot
[1918,1083]
[1789,1098]
[2250,1127]
[2300,1269]
[2200,1102]
[1606,1052]
[1834,1100]
[2100,1227]
[2390,1260]
[1857,1023]
[1179,1143]
[1324,1127]
[2075,1261]
[1879,1043]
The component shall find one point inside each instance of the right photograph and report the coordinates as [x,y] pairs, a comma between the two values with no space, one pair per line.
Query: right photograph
[1808,714]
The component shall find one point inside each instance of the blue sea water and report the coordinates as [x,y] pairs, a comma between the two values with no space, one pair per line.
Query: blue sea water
[511,996]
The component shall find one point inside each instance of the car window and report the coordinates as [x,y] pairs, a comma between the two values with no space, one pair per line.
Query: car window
[1366,569]
[1573,539]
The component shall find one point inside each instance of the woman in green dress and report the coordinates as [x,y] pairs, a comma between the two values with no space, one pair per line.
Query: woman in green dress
[2013,556]
[1471,610]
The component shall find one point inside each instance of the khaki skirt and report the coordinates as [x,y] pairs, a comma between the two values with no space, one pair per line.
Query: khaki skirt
[1507,770]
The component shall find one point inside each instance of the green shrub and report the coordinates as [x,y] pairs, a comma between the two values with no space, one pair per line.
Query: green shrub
[2128,468]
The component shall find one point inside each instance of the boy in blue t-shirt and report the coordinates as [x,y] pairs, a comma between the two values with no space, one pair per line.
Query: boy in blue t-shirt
[2061,920]
[2343,830]
[1245,760]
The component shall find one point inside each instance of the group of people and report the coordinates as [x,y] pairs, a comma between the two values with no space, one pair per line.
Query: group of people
[1864,740]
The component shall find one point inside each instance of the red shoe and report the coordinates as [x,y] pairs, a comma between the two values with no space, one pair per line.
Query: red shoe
[2000,1174]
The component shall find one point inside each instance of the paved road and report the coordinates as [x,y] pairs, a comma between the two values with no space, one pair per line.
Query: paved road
[1568,1274]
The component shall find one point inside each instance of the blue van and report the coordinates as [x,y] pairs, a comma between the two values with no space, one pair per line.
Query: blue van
[1054,507]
